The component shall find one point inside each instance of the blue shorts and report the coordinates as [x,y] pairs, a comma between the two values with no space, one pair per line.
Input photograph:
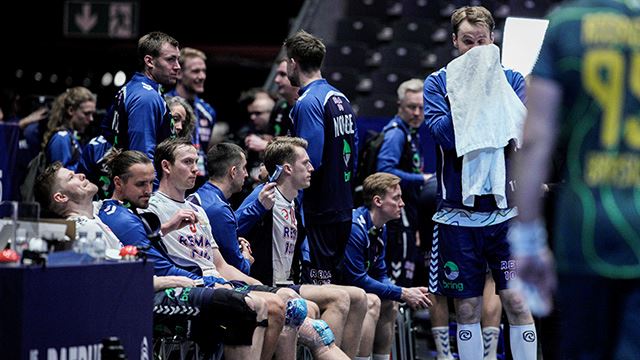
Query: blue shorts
[460,256]
[327,243]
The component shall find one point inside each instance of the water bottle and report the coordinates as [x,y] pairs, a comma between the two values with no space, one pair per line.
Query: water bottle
[81,245]
[21,243]
[99,247]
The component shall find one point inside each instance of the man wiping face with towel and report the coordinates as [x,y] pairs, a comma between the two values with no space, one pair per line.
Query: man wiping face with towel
[474,110]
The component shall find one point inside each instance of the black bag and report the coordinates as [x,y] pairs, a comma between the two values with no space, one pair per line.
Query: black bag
[36,167]
[368,155]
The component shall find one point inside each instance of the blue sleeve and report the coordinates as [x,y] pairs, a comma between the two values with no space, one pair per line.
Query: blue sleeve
[145,114]
[378,270]
[59,149]
[311,128]
[390,155]
[437,113]
[131,232]
[223,227]
[355,265]
[519,86]
[250,212]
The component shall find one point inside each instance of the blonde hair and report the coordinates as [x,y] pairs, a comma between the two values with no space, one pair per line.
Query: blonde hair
[414,85]
[188,53]
[59,118]
[282,150]
[377,184]
[473,14]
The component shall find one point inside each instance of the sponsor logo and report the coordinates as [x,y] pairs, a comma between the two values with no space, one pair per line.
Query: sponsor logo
[453,285]
[451,270]
[529,336]
[465,335]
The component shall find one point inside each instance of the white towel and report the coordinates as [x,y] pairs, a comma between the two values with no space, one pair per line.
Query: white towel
[486,114]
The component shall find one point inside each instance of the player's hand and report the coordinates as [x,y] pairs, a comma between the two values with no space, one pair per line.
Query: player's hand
[536,278]
[180,219]
[536,281]
[245,248]
[416,297]
[267,196]
[255,143]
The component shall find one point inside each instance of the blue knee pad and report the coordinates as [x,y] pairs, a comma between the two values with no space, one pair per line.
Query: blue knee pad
[296,312]
[324,331]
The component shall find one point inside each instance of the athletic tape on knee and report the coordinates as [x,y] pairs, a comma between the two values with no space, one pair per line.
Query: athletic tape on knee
[315,333]
[296,312]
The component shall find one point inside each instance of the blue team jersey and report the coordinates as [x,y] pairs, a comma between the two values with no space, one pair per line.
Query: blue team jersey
[65,148]
[400,155]
[93,165]
[139,119]
[129,229]
[437,113]
[223,224]
[592,52]
[364,264]
[323,116]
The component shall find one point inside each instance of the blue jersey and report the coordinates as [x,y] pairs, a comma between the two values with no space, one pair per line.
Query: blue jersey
[129,229]
[323,116]
[364,264]
[65,148]
[437,113]
[223,224]
[400,155]
[93,165]
[250,211]
[203,127]
[139,119]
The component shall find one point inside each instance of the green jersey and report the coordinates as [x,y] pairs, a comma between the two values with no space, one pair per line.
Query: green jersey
[593,52]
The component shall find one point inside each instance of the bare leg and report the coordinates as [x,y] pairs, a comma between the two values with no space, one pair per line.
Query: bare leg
[276,312]
[440,326]
[491,315]
[331,299]
[369,326]
[353,327]
[251,352]
[318,337]
[385,328]
[333,303]
[522,330]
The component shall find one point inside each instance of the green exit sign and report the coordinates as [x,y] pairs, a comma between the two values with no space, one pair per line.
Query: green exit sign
[101,19]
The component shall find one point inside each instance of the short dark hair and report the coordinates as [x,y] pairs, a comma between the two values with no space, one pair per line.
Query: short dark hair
[119,162]
[166,150]
[221,157]
[306,49]
[377,184]
[151,44]
[46,186]
[282,150]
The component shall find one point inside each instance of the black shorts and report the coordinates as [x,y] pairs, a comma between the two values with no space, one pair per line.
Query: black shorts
[218,315]
[240,286]
[327,243]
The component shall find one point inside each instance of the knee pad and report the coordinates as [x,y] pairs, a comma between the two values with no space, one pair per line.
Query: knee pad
[315,334]
[296,312]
